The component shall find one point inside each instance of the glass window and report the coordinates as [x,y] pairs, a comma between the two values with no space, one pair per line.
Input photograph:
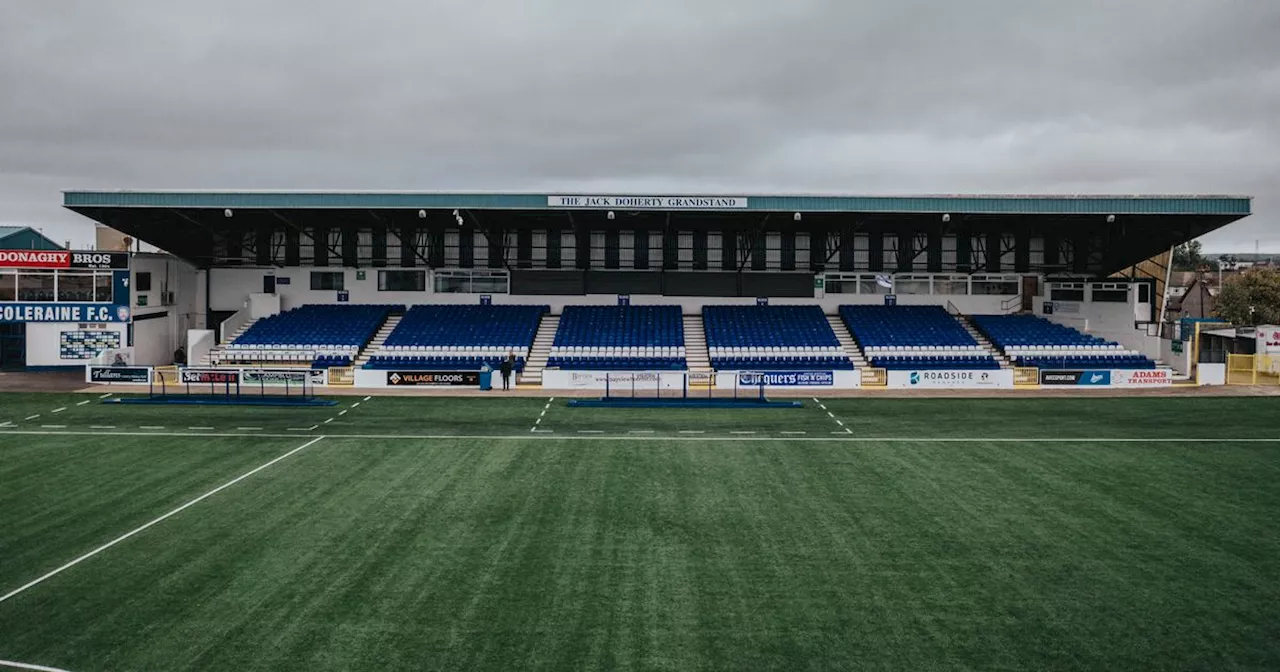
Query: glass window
[75,286]
[328,280]
[453,284]
[402,281]
[1111,295]
[103,288]
[489,284]
[1144,293]
[834,286]
[995,287]
[142,282]
[8,286]
[871,284]
[35,286]
[911,285]
[1066,294]
[951,286]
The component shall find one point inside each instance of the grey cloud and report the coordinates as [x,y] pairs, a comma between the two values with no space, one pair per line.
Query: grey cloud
[726,95]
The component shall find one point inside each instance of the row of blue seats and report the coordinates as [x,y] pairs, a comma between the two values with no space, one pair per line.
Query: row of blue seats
[902,326]
[767,326]
[330,361]
[1031,330]
[618,363]
[620,326]
[781,363]
[439,363]
[326,325]
[936,364]
[468,326]
[1086,362]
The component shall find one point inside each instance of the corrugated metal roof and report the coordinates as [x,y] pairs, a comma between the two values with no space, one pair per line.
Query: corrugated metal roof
[6,231]
[976,204]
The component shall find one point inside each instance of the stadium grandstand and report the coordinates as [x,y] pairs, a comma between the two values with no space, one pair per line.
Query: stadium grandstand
[370,284]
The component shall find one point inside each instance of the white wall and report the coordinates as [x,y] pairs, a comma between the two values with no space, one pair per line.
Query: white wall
[1112,321]
[44,341]
[231,288]
[1180,362]
[156,339]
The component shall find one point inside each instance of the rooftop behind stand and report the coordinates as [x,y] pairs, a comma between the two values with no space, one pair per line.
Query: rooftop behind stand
[610,338]
[772,338]
[459,337]
[914,337]
[1030,340]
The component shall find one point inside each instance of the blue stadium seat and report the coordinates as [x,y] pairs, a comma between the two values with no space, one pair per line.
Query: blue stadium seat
[619,338]
[1030,340]
[794,338]
[914,337]
[324,335]
[454,337]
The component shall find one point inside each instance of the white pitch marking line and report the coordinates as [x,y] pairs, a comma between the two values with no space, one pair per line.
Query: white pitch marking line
[543,431]
[342,412]
[249,429]
[150,426]
[32,417]
[59,409]
[839,423]
[104,396]
[82,403]
[640,431]
[204,429]
[366,399]
[303,429]
[6,423]
[741,432]
[355,404]
[328,421]
[794,432]
[848,431]
[29,666]
[521,436]
[166,516]
[54,426]
[691,431]
[831,414]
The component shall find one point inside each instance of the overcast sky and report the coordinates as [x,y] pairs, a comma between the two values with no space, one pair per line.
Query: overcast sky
[842,96]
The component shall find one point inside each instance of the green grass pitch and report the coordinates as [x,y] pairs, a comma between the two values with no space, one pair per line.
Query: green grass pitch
[505,534]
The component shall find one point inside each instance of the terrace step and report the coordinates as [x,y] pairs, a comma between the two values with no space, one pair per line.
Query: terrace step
[540,352]
[695,344]
[847,342]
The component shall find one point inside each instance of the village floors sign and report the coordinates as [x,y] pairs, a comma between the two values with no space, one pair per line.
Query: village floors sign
[649,202]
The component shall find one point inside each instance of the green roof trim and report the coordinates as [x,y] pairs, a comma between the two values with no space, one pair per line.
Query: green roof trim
[1011,205]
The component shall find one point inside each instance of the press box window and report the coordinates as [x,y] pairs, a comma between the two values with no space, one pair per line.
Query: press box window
[402,281]
[142,281]
[327,280]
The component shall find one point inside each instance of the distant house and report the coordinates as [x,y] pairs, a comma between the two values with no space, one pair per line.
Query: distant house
[25,238]
[1198,299]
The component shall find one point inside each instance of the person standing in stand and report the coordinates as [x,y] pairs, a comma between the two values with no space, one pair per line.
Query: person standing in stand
[507,366]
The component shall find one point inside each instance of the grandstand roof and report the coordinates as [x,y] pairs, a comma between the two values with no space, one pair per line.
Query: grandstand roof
[981,204]
[1114,231]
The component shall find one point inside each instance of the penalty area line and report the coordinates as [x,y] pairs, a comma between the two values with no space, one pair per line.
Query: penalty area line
[31,584]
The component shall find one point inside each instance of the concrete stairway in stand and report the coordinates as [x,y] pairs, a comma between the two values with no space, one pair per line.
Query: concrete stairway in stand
[985,342]
[847,342]
[207,359]
[379,339]
[695,345]
[540,352]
